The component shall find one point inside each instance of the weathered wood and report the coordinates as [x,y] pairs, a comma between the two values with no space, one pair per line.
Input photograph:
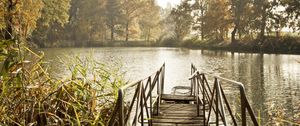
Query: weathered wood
[177,114]
[178,117]
[178,110]
[186,107]
[172,124]
[177,121]
[169,97]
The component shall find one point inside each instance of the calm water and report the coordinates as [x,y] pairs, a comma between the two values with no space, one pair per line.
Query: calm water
[272,81]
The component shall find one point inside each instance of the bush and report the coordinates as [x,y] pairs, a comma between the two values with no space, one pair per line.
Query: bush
[169,41]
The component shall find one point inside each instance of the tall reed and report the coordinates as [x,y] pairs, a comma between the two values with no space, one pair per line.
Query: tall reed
[30,96]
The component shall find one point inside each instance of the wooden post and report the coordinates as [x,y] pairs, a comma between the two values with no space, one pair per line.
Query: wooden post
[243,107]
[162,78]
[150,91]
[197,97]
[121,112]
[204,102]
[217,102]
[192,69]
[142,104]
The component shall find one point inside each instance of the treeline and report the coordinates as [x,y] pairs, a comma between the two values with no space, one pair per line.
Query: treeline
[258,22]
[20,18]
[240,24]
[50,23]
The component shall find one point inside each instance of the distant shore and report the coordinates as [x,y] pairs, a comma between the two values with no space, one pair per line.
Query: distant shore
[285,45]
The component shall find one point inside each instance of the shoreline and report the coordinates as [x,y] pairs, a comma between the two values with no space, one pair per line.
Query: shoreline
[271,45]
[226,49]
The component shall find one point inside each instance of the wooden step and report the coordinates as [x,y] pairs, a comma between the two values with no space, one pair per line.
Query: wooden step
[177,117]
[176,107]
[169,97]
[172,124]
[177,121]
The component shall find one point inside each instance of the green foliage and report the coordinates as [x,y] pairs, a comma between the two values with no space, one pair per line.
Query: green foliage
[182,20]
[29,96]
[24,16]
[96,22]
[55,11]
[217,20]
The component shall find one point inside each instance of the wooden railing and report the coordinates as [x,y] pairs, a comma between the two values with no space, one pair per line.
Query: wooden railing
[215,99]
[142,101]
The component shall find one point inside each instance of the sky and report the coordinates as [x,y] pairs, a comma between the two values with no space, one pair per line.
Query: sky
[164,3]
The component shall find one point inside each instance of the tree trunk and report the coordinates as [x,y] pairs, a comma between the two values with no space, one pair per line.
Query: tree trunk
[202,21]
[8,20]
[112,30]
[111,34]
[233,33]
[238,11]
[263,24]
[149,34]
[127,31]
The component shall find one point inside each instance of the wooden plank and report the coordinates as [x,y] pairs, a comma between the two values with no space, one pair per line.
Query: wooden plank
[175,106]
[177,121]
[180,115]
[169,97]
[172,124]
[178,112]
[191,107]
[177,117]
[171,114]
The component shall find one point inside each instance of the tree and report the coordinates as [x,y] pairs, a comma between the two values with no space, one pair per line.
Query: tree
[21,16]
[149,21]
[54,15]
[112,15]
[9,7]
[217,19]
[200,8]
[237,7]
[27,14]
[182,19]
[133,9]
[292,9]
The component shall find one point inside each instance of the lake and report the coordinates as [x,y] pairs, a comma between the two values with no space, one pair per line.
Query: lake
[272,81]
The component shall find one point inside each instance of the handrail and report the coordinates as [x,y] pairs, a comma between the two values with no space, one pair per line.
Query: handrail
[216,97]
[195,74]
[142,100]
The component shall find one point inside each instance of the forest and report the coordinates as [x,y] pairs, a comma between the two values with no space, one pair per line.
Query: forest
[88,89]
[257,25]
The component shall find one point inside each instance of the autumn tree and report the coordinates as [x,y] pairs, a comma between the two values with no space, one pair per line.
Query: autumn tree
[133,9]
[149,21]
[183,19]
[54,15]
[217,19]
[237,7]
[199,9]
[292,9]
[113,13]
[21,17]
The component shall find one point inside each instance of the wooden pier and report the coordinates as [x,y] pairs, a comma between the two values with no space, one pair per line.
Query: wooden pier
[205,104]
[176,111]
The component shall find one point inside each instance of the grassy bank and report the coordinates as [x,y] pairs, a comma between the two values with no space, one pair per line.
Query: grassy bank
[284,45]
[30,96]
[117,43]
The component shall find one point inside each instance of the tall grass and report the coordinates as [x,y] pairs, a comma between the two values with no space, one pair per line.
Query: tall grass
[30,96]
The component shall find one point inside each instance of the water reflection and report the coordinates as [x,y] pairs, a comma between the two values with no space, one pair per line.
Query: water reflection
[271,81]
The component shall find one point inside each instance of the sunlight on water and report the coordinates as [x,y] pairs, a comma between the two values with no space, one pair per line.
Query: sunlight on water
[271,81]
